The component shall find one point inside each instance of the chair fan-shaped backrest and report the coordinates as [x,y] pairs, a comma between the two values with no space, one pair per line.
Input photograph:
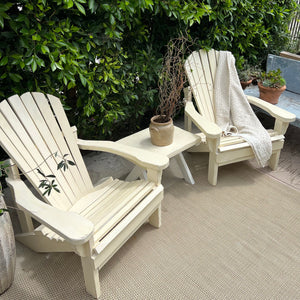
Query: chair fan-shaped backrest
[33,127]
[200,68]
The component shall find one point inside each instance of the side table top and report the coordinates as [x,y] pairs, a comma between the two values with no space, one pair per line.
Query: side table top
[183,140]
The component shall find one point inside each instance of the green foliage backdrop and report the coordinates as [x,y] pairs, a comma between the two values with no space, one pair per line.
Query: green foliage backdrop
[103,58]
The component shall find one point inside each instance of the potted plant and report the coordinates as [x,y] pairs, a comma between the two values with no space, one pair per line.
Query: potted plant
[271,85]
[245,76]
[170,85]
[248,75]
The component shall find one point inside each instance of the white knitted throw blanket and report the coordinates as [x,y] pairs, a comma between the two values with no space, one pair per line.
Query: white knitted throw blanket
[233,112]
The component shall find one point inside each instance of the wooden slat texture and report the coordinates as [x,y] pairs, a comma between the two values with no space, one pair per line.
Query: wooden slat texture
[32,135]
[196,79]
[120,209]
[290,55]
[22,149]
[235,142]
[70,139]
[198,69]
[207,74]
[62,177]
[294,29]
[244,144]
[72,176]
[93,222]
[109,205]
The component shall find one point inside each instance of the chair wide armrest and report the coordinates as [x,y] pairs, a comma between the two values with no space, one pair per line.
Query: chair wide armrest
[69,225]
[210,129]
[143,158]
[272,109]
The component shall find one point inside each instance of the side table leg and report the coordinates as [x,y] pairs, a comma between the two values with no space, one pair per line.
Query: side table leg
[184,169]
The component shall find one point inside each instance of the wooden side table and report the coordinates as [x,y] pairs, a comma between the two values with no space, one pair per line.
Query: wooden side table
[183,140]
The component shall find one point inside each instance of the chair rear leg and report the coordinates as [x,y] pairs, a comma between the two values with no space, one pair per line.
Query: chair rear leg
[91,277]
[212,169]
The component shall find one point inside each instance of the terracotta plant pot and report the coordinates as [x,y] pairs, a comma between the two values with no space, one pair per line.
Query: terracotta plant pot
[7,250]
[161,133]
[245,84]
[270,95]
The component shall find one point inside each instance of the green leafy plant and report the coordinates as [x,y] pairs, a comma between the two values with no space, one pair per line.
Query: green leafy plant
[245,74]
[249,72]
[104,58]
[272,79]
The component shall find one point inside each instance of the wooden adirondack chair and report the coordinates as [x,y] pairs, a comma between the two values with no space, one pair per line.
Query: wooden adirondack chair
[92,221]
[201,67]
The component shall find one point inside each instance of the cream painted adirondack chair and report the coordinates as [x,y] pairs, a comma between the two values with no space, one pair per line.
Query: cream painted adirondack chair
[200,67]
[92,221]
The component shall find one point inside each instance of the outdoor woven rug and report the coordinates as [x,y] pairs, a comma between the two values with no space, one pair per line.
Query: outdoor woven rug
[237,240]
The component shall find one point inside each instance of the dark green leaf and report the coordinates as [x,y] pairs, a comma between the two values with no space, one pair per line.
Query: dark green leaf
[45,49]
[15,77]
[41,173]
[1,22]
[71,163]
[33,66]
[60,165]
[92,6]
[51,176]
[80,7]
[4,61]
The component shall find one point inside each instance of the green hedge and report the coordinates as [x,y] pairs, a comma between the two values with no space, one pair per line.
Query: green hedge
[103,58]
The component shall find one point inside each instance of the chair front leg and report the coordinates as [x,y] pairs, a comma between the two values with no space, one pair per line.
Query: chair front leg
[155,218]
[274,159]
[91,277]
[154,175]
[213,166]
[281,127]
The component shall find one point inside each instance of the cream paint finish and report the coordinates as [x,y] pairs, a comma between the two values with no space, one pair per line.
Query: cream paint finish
[92,221]
[200,67]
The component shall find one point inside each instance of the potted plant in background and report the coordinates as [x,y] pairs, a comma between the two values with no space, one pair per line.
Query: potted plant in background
[245,76]
[170,85]
[271,85]
[248,75]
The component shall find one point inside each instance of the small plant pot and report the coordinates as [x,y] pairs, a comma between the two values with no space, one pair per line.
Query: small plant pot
[161,133]
[269,94]
[7,250]
[245,84]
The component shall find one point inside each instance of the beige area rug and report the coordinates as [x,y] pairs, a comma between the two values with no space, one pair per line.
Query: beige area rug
[288,170]
[238,240]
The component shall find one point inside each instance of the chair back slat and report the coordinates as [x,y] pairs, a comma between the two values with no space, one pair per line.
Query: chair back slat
[80,185]
[70,140]
[200,67]
[28,137]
